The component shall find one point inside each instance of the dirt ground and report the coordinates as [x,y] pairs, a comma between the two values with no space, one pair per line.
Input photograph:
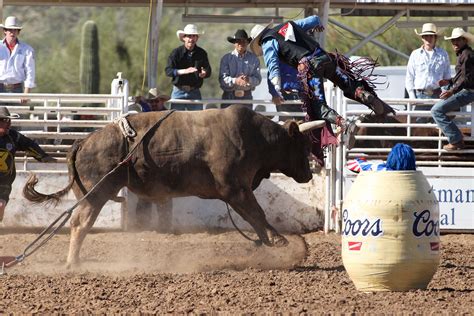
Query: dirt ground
[149,272]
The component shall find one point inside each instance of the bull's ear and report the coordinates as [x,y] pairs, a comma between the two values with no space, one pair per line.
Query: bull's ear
[293,128]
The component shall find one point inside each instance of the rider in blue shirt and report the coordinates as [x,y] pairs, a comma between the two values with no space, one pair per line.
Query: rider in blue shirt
[290,43]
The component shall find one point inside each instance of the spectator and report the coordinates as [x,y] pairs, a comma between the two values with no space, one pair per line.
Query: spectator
[460,90]
[426,67]
[17,61]
[10,142]
[239,71]
[290,43]
[155,101]
[188,66]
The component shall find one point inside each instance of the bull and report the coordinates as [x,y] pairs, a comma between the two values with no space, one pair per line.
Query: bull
[212,154]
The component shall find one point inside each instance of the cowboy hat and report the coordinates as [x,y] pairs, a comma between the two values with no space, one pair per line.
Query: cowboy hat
[4,113]
[459,32]
[256,34]
[189,29]
[154,93]
[428,29]
[12,23]
[239,35]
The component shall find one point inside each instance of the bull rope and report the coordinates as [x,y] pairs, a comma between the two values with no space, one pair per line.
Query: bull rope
[32,247]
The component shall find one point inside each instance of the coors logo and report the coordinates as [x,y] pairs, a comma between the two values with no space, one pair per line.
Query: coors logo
[363,227]
[423,225]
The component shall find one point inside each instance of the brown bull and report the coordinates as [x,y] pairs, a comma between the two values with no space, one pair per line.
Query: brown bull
[212,154]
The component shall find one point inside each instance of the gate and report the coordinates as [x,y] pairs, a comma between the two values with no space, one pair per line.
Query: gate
[451,174]
[55,121]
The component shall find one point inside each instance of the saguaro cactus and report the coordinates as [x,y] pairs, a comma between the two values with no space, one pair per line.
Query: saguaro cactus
[89,63]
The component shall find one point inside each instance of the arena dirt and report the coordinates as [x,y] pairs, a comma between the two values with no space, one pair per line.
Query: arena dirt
[149,272]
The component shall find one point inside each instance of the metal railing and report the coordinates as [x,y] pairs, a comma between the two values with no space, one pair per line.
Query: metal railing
[56,120]
[52,118]
[434,156]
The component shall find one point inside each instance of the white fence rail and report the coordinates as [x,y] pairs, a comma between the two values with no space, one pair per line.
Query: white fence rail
[52,120]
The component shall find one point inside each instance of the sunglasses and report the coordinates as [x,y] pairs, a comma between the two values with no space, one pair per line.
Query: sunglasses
[5,120]
[10,30]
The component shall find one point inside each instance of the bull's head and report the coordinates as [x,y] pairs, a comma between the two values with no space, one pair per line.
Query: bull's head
[298,151]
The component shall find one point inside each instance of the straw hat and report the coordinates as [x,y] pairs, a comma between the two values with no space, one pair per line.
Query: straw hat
[256,34]
[154,93]
[189,29]
[428,29]
[239,35]
[459,32]
[4,113]
[12,23]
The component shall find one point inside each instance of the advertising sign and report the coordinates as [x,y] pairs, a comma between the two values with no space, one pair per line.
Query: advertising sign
[454,190]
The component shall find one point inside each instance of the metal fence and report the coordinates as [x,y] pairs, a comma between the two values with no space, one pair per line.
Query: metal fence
[56,120]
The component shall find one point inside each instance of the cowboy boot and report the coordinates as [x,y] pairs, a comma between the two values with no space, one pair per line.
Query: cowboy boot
[379,107]
[328,113]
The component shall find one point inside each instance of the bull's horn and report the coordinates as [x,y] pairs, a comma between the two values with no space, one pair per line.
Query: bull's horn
[308,126]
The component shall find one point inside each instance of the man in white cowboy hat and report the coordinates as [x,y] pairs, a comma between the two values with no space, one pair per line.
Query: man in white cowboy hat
[426,66]
[17,60]
[155,101]
[10,142]
[460,90]
[291,43]
[239,71]
[188,65]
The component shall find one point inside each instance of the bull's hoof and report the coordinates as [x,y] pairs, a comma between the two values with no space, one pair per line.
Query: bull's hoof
[72,265]
[279,241]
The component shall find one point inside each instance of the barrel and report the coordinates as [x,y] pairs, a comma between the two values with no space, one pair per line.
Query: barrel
[390,231]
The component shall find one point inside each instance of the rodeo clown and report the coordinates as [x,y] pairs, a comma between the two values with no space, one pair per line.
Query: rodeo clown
[290,43]
[401,157]
[10,142]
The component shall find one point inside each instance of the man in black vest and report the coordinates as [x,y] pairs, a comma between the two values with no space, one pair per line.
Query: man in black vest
[12,141]
[290,42]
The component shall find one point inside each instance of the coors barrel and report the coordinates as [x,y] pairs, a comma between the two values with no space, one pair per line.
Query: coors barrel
[390,231]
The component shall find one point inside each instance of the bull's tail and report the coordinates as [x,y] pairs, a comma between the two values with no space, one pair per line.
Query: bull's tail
[30,193]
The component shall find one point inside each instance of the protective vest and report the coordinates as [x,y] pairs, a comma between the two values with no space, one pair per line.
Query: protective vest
[291,51]
[9,144]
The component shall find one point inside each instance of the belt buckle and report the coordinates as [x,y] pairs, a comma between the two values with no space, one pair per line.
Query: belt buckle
[185,88]
[239,93]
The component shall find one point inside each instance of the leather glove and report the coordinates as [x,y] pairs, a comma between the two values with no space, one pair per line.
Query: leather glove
[276,81]
[278,91]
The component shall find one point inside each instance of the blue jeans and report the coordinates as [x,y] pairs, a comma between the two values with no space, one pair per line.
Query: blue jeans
[424,107]
[229,95]
[190,95]
[453,103]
